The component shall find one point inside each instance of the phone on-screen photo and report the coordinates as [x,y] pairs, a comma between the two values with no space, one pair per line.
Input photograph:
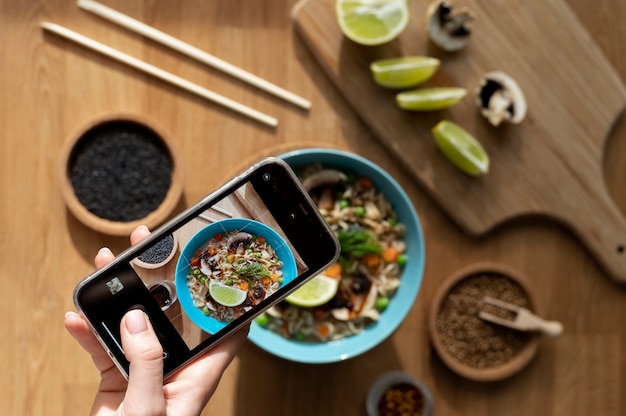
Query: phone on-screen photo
[213,268]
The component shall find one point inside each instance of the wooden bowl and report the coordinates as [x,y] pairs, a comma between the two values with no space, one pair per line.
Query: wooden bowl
[156,265]
[134,124]
[526,343]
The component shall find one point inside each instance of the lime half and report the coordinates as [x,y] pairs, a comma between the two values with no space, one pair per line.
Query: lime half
[315,292]
[372,22]
[227,295]
[430,99]
[461,148]
[403,72]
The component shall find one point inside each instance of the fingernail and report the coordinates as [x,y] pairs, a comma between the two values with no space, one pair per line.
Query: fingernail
[105,250]
[143,228]
[136,321]
[70,314]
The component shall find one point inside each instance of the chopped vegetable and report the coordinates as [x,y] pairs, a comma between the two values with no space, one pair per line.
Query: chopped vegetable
[365,182]
[323,330]
[391,254]
[371,260]
[334,271]
[401,260]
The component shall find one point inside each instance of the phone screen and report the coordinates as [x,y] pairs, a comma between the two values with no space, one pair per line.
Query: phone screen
[214,267]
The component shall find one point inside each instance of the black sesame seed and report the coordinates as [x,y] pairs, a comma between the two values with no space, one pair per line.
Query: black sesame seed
[120,171]
[158,252]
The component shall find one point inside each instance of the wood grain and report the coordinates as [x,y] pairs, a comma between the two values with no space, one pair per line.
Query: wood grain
[49,88]
[554,158]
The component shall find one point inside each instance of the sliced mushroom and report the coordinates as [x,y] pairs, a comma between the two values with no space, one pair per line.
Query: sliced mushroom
[326,177]
[275,312]
[362,303]
[238,239]
[500,98]
[448,27]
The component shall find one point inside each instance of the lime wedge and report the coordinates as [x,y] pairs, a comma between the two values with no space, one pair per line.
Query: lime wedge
[430,99]
[226,295]
[461,148]
[403,72]
[315,292]
[372,22]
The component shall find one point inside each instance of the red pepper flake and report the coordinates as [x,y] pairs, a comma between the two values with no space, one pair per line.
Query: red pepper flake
[401,399]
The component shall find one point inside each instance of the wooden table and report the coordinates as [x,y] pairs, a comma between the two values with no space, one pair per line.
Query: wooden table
[50,87]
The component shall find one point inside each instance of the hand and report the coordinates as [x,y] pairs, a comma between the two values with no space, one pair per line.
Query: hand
[185,393]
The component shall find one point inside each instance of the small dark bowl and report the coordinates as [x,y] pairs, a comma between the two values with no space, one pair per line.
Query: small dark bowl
[394,378]
[126,124]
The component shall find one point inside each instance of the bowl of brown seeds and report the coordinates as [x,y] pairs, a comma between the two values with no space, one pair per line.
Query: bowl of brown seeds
[468,345]
[118,171]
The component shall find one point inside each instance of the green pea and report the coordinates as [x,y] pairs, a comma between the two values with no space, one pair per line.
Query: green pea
[382,302]
[401,260]
[344,203]
[360,211]
[262,320]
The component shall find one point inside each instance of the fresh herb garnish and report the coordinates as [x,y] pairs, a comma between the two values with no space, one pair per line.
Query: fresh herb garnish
[357,242]
[252,270]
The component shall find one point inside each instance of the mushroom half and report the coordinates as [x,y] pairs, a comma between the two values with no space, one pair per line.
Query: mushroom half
[448,27]
[500,98]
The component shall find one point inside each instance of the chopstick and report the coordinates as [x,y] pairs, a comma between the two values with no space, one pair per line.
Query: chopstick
[159,73]
[191,51]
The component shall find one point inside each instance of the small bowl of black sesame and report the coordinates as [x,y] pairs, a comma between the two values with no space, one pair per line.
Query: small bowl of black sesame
[470,346]
[119,171]
[159,254]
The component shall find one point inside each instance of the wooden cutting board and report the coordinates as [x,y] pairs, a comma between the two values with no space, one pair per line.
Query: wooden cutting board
[549,165]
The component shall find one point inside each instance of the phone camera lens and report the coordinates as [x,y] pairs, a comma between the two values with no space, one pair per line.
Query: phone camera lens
[266,177]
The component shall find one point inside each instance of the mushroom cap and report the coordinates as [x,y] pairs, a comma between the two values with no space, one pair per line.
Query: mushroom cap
[500,98]
[448,29]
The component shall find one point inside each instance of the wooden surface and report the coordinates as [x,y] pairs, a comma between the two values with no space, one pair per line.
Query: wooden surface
[50,87]
[553,158]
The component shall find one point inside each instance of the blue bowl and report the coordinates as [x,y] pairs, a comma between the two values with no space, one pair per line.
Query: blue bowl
[411,279]
[279,245]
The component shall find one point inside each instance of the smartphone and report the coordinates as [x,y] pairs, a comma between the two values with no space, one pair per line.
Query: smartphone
[214,267]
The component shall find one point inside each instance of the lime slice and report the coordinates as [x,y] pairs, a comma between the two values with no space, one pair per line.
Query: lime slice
[315,292]
[403,72]
[372,22]
[430,99]
[226,295]
[461,148]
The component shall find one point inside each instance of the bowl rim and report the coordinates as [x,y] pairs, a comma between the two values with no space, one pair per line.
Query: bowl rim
[340,350]
[103,225]
[387,380]
[212,325]
[520,361]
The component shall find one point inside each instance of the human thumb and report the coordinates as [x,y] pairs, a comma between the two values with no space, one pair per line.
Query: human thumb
[145,354]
